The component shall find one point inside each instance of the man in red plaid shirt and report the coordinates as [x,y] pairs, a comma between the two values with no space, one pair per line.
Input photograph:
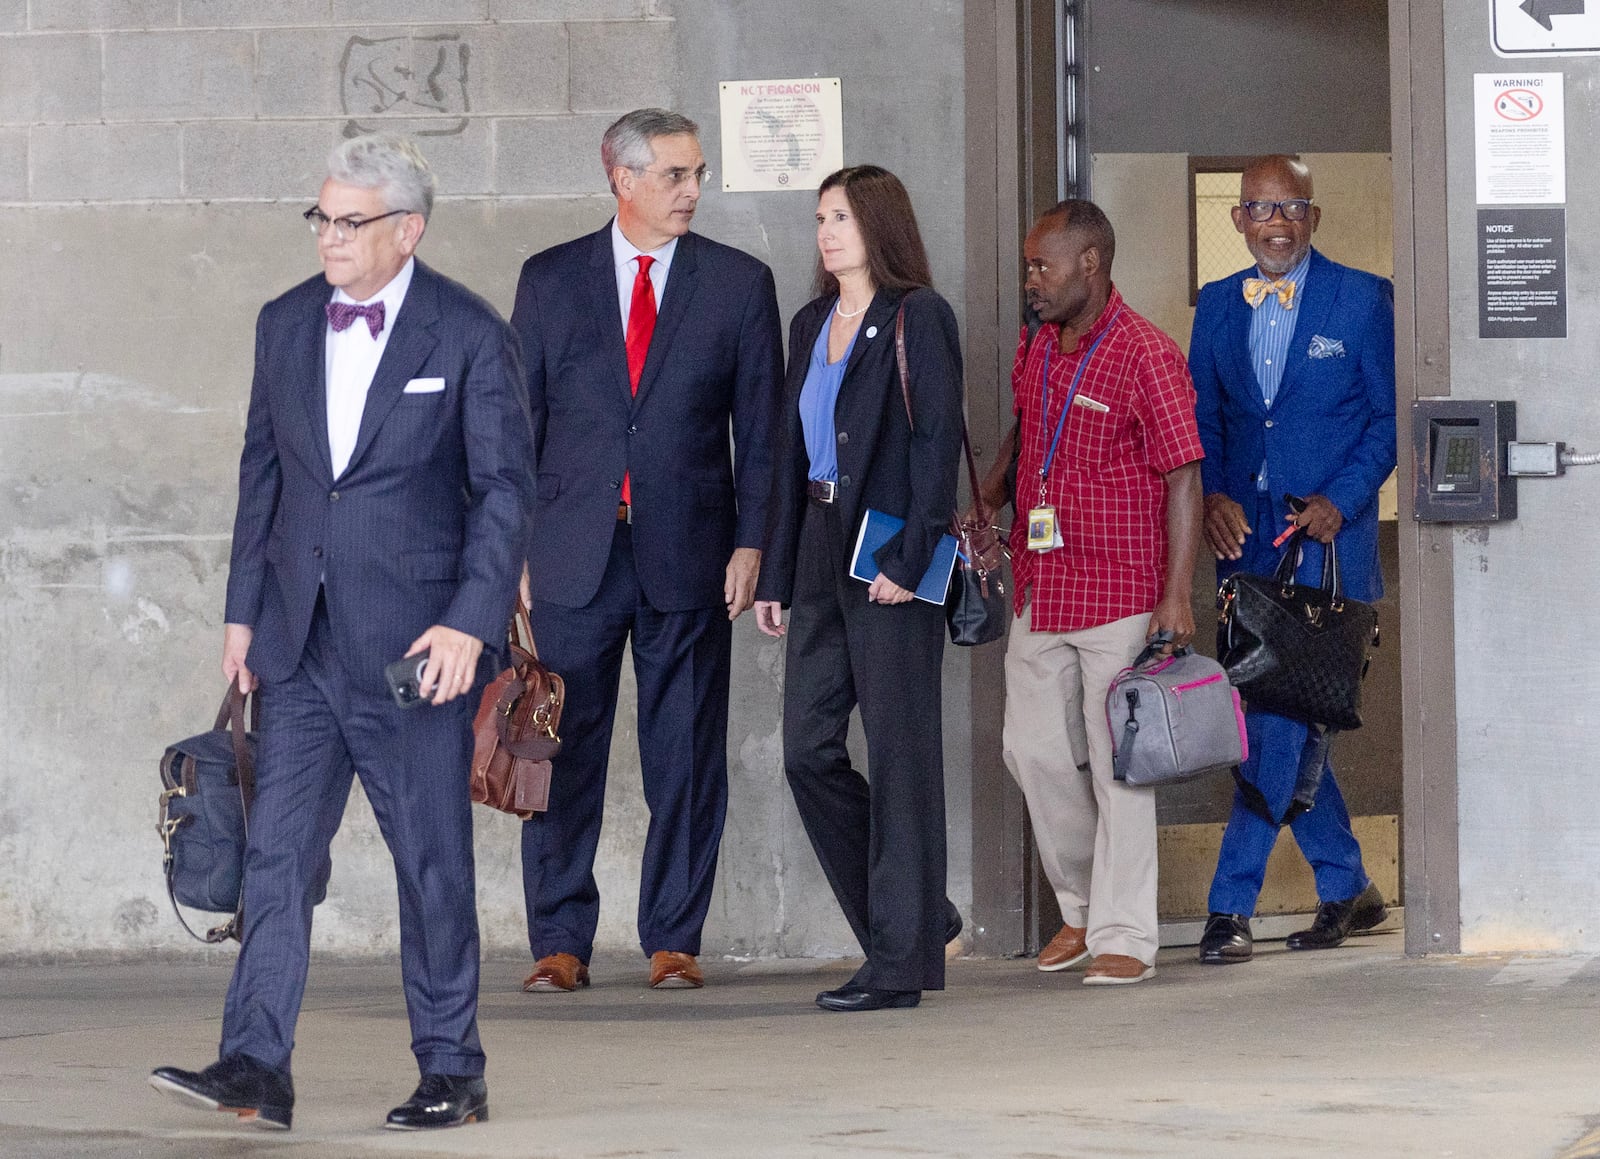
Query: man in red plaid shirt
[1108,518]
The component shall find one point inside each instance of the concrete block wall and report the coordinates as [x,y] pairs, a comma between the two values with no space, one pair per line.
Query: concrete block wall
[154,157]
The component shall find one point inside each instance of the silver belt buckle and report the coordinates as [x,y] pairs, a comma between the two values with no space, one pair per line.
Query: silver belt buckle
[830,490]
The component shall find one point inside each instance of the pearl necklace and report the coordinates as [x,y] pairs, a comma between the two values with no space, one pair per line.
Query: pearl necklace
[852,313]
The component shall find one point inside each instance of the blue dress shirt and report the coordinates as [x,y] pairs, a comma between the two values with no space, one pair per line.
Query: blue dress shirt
[817,398]
[1271,332]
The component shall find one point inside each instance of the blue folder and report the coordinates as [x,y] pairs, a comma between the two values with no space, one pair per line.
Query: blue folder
[876,530]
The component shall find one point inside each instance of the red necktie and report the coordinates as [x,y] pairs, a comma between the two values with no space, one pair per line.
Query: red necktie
[641,325]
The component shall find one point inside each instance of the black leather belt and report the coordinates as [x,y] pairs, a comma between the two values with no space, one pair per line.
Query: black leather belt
[624,513]
[822,490]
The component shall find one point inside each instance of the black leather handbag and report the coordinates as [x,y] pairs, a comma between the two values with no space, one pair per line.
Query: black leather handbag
[1293,649]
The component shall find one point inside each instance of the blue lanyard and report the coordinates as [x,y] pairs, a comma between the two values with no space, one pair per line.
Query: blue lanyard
[1077,377]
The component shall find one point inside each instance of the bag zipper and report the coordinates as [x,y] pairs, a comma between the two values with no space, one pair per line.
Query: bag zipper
[1179,689]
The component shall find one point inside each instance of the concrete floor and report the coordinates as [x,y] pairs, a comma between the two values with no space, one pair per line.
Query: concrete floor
[1357,1051]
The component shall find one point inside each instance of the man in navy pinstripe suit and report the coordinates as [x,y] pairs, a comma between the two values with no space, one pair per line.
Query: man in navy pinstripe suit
[383,493]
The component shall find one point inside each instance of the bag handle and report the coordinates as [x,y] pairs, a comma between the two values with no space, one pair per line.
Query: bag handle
[1287,562]
[983,515]
[1153,647]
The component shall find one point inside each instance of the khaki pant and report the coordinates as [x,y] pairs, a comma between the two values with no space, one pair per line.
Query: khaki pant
[1096,837]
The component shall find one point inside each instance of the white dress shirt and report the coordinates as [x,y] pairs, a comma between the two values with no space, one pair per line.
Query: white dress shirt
[626,256]
[350,358]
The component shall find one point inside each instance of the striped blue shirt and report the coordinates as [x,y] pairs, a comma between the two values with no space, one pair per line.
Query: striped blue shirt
[1271,332]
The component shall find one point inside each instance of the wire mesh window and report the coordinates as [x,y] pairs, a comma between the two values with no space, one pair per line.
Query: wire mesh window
[1216,248]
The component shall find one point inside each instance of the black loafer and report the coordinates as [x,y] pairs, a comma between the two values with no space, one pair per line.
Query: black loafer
[442,1100]
[851,999]
[1227,940]
[238,1084]
[1337,920]
[952,922]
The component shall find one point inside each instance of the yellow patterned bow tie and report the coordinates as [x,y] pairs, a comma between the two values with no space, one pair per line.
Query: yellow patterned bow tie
[1257,289]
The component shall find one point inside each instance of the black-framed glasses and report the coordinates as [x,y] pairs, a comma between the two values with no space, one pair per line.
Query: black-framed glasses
[680,176]
[1295,209]
[344,228]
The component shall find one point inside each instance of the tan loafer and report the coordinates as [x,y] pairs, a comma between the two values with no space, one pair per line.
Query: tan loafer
[556,973]
[1116,970]
[670,970]
[1065,949]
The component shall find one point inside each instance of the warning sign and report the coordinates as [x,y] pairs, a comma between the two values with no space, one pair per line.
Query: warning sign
[781,134]
[1521,139]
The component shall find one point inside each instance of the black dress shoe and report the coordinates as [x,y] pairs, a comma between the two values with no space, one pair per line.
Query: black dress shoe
[952,922]
[852,998]
[442,1100]
[1226,940]
[1337,920]
[238,1084]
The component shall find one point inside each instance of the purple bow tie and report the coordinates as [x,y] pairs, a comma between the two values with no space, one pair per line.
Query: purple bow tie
[342,315]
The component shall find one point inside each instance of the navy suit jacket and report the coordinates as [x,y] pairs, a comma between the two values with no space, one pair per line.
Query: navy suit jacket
[426,524]
[884,463]
[1330,430]
[715,358]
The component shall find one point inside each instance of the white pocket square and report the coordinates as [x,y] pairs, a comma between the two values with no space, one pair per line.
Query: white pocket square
[424,385]
[1325,347]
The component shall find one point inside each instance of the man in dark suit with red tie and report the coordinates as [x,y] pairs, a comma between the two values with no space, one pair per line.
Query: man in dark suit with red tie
[644,345]
[383,493]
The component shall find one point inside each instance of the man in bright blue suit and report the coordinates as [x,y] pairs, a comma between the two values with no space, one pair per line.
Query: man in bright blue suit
[654,358]
[1293,365]
[383,497]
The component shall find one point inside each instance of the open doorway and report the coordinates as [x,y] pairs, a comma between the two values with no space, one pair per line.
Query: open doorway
[1149,108]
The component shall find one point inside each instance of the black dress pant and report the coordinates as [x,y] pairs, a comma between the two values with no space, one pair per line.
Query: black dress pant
[880,839]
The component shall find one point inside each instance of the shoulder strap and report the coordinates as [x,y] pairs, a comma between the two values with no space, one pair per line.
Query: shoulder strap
[983,514]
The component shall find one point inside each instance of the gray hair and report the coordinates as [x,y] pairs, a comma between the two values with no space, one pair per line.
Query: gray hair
[389,163]
[626,143]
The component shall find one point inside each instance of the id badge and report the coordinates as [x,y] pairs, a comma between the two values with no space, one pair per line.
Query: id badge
[1043,534]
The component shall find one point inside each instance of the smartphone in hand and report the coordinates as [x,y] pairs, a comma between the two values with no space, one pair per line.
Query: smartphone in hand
[405,679]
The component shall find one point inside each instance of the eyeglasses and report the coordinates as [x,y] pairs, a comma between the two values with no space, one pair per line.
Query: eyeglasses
[680,176]
[344,228]
[1295,209]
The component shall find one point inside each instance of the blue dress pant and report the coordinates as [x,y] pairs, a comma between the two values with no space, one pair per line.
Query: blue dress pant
[680,663]
[1278,746]
[320,727]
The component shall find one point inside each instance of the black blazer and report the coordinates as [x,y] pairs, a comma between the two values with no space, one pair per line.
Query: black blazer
[715,359]
[883,463]
[426,524]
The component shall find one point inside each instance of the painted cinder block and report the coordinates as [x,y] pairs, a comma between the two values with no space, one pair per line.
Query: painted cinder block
[103,162]
[49,79]
[153,76]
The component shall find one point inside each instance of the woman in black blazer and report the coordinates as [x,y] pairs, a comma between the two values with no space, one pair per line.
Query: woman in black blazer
[846,445]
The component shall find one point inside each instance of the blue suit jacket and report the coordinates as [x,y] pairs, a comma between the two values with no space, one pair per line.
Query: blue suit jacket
[716,357]
[1330,430]
[427,523]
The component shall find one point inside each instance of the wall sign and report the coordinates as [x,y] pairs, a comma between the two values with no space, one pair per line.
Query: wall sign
[1545,27]
[1521,137]
[1522,273]
[781,134]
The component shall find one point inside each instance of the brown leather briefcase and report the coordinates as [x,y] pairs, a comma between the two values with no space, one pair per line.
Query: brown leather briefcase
[514,733]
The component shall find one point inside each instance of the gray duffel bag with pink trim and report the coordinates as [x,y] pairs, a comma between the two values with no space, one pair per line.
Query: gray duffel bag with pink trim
[1173,718]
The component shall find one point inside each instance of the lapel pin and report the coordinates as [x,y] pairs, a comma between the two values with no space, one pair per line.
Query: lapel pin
[872,331]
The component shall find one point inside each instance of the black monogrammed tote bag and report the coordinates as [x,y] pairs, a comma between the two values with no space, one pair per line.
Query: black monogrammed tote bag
[1294,649]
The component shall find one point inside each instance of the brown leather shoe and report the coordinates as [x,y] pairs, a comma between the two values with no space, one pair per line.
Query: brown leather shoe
[1065,949]
[670,970]
[556,973]
[1116,970]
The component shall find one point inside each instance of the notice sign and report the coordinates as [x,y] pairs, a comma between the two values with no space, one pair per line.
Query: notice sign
[1521,138]
[781,134]
[1522,273]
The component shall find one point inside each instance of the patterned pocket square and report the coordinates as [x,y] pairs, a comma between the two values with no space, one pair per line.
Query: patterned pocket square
[1325,347]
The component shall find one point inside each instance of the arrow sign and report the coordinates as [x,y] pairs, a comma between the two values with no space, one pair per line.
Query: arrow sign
[1543,10]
